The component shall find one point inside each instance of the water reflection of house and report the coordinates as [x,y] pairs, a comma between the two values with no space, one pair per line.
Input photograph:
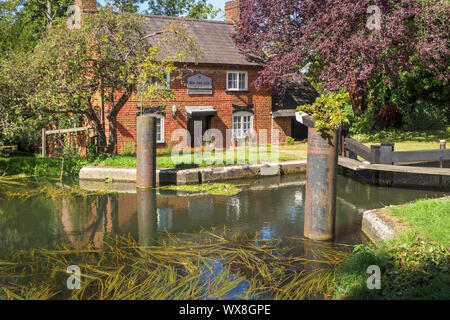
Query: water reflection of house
[92,218]
[236,208]
[200,209]
[86,219]
[164,219]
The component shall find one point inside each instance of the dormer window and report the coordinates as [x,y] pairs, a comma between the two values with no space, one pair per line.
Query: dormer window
[237,80]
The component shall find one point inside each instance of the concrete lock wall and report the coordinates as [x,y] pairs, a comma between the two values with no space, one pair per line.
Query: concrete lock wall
[195,176]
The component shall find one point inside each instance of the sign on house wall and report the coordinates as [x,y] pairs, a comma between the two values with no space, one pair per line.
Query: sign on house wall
[199,84]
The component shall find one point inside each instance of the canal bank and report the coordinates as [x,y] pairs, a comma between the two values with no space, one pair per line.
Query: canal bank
[411,252]
[381,225]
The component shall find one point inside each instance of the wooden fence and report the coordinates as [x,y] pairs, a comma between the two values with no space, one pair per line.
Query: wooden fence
[385,153]
[45,133]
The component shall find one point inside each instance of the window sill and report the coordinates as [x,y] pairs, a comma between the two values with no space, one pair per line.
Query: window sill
[236,91]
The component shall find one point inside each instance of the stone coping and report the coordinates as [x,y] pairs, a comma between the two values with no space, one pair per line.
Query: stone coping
[378,225]
[195,176]
[274,182]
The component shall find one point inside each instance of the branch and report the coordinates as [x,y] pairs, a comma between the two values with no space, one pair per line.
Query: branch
[123,99]
[64,111]
[141,39]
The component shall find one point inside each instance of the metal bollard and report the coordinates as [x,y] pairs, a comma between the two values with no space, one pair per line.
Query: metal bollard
[320,198]
[146,152]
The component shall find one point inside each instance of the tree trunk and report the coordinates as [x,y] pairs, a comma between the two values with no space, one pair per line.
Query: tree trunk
[49,14]
[112,141]
[100,130]
[112,117]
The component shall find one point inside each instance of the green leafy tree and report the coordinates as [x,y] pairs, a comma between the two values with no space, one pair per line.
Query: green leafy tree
[131,6]
[98,67]
[22,22]
[15,89]
[197,9]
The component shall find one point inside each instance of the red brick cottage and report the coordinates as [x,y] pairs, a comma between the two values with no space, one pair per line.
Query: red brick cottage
[217,90]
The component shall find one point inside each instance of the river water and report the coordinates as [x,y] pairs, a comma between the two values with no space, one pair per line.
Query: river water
[271,208]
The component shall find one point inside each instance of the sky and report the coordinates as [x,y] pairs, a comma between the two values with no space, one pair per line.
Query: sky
[218,4]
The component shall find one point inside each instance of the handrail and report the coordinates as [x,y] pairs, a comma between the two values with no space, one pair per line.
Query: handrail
[358,148]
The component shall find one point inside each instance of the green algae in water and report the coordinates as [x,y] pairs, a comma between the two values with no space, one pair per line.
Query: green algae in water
[45,190]
[225,189]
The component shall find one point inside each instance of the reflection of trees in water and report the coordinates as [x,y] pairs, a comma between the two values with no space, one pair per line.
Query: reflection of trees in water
[29,223]
[365,196]
[89,219]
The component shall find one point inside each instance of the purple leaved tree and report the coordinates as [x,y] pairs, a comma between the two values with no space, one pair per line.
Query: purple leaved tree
[333,40]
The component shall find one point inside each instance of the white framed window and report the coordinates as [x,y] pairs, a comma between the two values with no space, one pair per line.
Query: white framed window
[159,121]
[237,80]
[242,124]
[159,129]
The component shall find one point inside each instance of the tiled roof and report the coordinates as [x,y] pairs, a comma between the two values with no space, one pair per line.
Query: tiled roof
[298,92]
[214,38]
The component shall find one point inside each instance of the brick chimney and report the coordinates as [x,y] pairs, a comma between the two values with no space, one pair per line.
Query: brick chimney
[87,5]
[233,11]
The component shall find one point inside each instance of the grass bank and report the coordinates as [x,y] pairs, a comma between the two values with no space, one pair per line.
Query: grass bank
[51,167]
[429,218]
[199,159]
[407,140]
[41,167]
[414,265]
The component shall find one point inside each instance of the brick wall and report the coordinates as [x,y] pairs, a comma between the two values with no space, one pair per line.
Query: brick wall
[284,127]
[232,11]
[220,99]
[87,5]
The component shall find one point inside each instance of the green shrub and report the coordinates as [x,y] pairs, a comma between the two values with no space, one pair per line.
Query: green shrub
[127,149]
[328,110]
[424,115]
[290,141]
